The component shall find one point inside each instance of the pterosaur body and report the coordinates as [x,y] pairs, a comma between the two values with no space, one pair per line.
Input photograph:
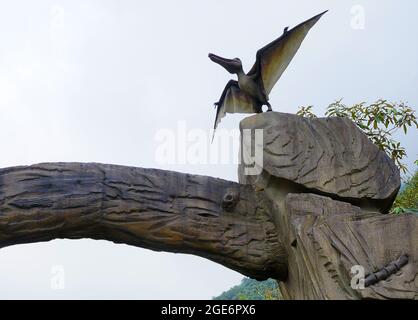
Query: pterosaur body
[251,92]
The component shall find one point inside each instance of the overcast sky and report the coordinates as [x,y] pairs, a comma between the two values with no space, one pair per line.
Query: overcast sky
[96,81]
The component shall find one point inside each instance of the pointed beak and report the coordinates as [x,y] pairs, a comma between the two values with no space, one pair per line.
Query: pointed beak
[229,64]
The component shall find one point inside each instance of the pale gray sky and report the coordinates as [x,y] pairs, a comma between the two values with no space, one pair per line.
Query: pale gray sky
[95,81]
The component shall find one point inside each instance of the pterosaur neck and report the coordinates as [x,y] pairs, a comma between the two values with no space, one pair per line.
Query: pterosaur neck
[240,73]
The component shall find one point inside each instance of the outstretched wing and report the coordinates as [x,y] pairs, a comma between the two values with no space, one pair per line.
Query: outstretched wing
[273,59]
[233,100]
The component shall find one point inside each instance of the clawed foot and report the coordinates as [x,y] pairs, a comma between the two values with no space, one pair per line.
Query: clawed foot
[269,109]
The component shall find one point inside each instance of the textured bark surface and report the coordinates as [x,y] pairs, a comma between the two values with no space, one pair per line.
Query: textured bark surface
[326,238]
[159,210]
[295,221]
[309,242]
[328,156]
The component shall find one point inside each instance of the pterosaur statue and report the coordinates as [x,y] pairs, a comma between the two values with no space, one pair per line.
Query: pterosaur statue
[251,92]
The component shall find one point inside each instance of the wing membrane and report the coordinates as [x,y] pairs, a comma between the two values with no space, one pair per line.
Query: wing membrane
[273,59]
[233,100]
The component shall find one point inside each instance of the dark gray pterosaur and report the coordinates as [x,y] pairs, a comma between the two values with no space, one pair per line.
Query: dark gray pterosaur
[251,91]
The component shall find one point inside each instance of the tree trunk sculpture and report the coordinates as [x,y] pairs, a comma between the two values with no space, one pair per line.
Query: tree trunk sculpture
[160,210]
[312,217]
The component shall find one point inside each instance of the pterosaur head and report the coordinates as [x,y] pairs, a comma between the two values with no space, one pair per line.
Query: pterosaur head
[231,65]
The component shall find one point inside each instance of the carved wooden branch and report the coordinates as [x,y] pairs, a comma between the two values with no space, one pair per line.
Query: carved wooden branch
[311,215]
[160,210]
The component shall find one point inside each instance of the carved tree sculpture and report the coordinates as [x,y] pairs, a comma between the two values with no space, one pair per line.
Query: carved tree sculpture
[316,210]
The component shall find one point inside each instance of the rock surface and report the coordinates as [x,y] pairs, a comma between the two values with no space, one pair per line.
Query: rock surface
[327,238]
[328,184]
[328,156]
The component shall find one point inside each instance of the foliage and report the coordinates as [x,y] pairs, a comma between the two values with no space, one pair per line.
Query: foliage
[379,121]
[251,289]
[407,199]
[306,112]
